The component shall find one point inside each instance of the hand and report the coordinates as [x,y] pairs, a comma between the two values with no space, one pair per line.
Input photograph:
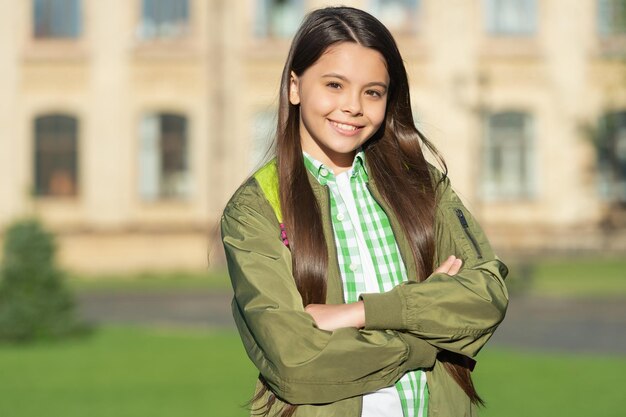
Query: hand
[335,316]
[450,266]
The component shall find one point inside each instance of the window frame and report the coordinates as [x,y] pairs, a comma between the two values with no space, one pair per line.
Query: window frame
[410,27]
[40,178]
[263,134]
[153,177]
[495,27]
[75,32]
[262,25]
[604,12]
[494,189]
[157,33]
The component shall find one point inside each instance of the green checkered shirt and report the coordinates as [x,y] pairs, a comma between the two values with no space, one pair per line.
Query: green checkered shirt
[382,250]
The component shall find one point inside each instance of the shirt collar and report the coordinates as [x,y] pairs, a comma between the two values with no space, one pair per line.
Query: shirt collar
[359,166]
[323,174]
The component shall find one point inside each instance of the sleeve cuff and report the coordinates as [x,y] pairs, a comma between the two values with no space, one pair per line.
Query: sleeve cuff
[421,354]
[383,311]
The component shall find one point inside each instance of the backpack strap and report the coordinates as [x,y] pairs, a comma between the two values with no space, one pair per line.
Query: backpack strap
[267,178]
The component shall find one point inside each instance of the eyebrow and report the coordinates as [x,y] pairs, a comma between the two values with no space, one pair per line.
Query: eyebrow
[341,77]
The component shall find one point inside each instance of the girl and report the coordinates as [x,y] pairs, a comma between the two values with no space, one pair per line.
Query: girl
[362,286]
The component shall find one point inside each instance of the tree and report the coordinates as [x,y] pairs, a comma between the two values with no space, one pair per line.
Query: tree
[610,144]
[34,303]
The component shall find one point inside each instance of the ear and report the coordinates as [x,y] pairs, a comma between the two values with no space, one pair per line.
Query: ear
[294,89]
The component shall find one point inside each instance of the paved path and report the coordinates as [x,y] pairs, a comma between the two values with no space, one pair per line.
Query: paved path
[588,325]
[180,308]
[531,322]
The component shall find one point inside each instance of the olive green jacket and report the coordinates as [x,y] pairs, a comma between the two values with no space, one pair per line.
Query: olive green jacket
[326,373]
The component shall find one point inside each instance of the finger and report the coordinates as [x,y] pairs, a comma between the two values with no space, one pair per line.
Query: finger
[445,266]
[456,267]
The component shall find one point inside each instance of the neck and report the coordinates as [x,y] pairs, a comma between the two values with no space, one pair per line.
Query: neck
[337,162]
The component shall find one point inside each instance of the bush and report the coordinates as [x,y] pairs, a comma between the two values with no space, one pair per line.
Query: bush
[34,303]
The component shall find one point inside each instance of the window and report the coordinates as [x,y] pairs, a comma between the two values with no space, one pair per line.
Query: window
[418,112]
[508,156]
[397,15]
[278,18]
[57,18]
[163,157]
[511,17]
[263,133]
[611,151]
[164,18]
[611,17]
[56,142]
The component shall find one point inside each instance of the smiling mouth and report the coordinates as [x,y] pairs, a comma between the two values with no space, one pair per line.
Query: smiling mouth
[345,127]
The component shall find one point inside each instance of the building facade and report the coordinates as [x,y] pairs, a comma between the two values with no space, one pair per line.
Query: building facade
[126,125]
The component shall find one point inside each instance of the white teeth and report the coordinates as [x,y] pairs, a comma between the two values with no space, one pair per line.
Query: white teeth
[344,126]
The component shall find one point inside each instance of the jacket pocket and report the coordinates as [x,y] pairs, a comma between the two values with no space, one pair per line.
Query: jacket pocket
[458,212]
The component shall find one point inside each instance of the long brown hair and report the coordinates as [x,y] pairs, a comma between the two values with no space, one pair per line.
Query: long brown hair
[394,156]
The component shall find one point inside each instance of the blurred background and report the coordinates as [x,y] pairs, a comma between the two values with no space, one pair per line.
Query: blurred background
[125,126]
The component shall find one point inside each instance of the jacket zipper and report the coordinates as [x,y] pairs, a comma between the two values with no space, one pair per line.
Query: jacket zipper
[466,229]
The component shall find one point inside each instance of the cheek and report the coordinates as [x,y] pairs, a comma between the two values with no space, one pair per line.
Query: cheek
[324,104]
[377,114]
[316,103]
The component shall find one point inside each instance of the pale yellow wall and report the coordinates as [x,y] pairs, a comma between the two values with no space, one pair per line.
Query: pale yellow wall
[221,76]
[108,79]
[9,98]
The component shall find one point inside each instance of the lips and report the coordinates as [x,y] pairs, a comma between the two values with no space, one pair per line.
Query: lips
[345,128]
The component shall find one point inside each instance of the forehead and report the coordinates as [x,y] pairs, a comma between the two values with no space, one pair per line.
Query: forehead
[353,61]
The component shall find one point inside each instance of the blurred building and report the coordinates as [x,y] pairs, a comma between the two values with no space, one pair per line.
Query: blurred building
[127,124]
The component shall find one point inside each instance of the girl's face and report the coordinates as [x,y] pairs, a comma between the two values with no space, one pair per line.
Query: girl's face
[342,100]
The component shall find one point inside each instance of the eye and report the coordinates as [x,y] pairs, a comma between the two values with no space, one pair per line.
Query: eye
[333,85]
[374,93]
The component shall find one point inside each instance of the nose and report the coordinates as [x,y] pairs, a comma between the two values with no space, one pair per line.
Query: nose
[352,104]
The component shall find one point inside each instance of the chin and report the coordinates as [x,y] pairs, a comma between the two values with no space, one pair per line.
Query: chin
[346,150]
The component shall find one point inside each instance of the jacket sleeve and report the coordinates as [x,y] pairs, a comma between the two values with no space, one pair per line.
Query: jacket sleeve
[302,363]
[458,313]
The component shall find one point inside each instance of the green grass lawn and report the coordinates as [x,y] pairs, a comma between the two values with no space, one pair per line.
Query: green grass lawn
[124,372]
[569,277]
[523,384]
[140,372]
[581,277]
[214,280]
